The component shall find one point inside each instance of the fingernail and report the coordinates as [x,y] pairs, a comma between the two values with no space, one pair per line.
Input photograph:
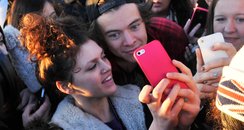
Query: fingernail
[168,74]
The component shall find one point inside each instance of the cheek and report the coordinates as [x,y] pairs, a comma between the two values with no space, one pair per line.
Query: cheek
[218,27]
[114,46]
[86,81]
[241,31]
[143,35]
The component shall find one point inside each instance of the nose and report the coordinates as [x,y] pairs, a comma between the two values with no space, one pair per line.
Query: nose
[230,26]
[129,38]
[106,66]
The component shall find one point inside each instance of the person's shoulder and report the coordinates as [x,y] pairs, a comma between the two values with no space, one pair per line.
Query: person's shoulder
[9,29]
[11,36]
[164,22]
[128,87]
[160,25]
[127,90]
[166,30]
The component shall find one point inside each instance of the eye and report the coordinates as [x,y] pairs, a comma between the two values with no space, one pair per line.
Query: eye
[92,67]
[239,20]
[135,26]
[113,35]
[220,19]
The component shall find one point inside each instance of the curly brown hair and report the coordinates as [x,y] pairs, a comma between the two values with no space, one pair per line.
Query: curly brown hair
[53,44]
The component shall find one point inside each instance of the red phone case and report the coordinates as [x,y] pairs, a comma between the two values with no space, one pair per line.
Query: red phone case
[155,62]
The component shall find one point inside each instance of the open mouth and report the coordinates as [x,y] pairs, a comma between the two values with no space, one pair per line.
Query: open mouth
[109,78]
[131,51]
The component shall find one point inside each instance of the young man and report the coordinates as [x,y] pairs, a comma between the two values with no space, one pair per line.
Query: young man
[121,27]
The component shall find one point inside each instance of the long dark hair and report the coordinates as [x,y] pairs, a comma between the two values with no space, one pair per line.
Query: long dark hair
[22,7]
[95,30]
[53,44]
[183,10]
[10,87]
[210,18]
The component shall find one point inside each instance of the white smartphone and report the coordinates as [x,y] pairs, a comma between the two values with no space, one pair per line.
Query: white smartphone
[205,43]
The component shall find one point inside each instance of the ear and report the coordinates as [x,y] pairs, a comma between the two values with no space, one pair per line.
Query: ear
[64,87]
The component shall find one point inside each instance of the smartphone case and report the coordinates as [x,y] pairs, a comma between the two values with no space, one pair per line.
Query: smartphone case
[155,62]
[199,15]
[205,43]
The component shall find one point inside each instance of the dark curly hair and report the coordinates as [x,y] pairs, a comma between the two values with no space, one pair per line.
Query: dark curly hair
[95,29]
[53,44]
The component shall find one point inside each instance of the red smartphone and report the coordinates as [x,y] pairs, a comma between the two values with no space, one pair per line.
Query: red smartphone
[155,63]
[199,15]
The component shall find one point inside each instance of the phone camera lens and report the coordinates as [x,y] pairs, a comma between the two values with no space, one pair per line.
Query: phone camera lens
[140,52]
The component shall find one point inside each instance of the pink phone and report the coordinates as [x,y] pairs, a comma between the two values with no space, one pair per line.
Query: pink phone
[199,15]
[155,63]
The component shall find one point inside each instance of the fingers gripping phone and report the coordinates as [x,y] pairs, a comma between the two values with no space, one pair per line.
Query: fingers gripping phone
[205,43]
[155,63]
[199,15]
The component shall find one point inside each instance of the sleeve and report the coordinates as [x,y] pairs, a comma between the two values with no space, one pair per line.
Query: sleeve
[19,57]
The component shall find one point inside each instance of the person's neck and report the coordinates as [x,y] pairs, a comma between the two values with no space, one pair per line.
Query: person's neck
[98,107]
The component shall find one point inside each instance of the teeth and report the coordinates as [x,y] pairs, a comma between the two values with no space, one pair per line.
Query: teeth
[108,78]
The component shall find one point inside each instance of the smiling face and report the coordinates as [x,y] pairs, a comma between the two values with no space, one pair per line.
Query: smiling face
[92,76]
[229,19]
[124,30]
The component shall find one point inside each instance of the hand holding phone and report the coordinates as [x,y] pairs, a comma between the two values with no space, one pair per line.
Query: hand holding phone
[155,63]
[205,43]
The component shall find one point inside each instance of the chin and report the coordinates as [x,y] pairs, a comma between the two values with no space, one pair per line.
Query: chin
[113,90]
[237,45]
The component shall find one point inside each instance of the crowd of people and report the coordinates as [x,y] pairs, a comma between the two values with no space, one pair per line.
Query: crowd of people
[69,65]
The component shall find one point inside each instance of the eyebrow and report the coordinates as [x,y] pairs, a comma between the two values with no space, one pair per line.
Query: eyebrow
[135,21]
[224,15]
[95,59]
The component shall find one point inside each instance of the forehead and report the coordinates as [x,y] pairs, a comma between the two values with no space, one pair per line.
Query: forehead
[120,17]
[229,6]
[88,51]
